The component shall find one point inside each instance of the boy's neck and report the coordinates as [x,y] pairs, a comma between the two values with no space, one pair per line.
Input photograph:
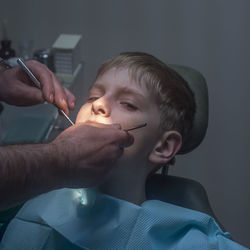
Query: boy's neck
[129,187]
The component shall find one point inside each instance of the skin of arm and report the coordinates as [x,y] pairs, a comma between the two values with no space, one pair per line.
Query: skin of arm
[81,156]
[26,171]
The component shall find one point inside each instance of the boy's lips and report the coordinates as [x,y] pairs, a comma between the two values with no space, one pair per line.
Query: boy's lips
[95,122]
[89,121]
[128,129]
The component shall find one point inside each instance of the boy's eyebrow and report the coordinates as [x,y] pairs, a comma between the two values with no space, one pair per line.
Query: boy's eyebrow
[123,90]
[131,91]
[96,86]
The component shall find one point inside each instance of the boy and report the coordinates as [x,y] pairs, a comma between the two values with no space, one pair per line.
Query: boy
[130,89]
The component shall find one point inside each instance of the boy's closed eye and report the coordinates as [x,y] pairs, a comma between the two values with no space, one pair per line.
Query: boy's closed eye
[129,106]
[92,98]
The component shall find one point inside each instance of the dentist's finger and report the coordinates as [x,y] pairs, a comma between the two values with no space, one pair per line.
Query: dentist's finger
[45,78]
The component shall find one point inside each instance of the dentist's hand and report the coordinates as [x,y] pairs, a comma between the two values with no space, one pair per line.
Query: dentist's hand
[81,156]
[87,152]
[16,88]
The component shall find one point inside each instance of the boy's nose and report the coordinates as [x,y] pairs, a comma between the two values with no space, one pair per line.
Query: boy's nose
[101,107]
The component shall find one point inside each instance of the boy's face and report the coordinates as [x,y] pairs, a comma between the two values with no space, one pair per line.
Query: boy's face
[116,98]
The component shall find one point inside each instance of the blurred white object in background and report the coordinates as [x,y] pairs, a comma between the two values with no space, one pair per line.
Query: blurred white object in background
[67,58]
[67,54]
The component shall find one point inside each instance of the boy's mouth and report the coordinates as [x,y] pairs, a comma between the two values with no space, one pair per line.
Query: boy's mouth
[89,121]
[125,129]
[96,122]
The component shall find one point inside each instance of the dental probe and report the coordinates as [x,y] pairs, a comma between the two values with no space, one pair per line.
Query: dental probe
[38,85]
[139,126]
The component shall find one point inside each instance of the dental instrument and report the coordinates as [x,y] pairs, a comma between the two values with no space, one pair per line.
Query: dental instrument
[38,85]
[138,126]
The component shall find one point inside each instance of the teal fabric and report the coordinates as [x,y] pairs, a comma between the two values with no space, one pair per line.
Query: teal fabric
[5,217]
[8,214]
[70,219]
[28,128]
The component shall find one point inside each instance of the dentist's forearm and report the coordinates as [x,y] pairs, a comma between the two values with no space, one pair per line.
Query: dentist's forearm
[81,156]
[26,171]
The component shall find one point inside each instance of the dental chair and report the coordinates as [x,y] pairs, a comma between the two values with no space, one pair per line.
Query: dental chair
[178,190]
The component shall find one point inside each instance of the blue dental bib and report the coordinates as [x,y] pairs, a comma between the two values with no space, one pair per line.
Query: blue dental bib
[73,219]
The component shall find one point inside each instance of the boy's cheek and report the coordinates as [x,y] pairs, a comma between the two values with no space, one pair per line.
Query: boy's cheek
[80,118]
[144,142]
[131,121]
[83,114]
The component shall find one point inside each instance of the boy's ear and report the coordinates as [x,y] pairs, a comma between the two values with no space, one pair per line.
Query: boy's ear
[166,148]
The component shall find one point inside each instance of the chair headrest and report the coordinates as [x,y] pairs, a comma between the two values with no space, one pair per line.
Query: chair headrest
[198,85]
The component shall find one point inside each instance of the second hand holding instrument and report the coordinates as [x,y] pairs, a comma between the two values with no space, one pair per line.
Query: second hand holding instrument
[38,85]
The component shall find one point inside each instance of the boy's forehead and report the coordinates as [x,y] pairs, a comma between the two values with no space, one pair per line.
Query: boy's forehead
[120,77]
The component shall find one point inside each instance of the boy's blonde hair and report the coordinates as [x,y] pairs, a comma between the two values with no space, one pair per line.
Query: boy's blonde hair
[173,95]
